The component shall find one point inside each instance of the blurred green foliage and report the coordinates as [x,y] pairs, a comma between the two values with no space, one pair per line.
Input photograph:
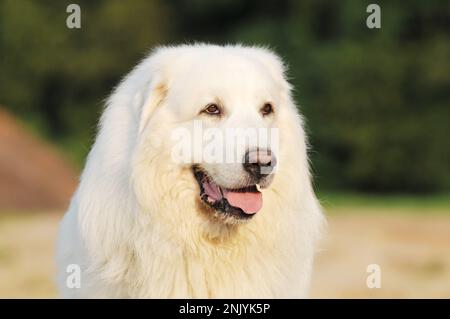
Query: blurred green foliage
[377,101]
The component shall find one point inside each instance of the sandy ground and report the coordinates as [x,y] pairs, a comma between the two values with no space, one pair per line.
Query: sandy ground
[412,250]
[26,255]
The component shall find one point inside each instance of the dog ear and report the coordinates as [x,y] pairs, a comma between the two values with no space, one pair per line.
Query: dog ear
[154,72]
[155,96]
[273,64]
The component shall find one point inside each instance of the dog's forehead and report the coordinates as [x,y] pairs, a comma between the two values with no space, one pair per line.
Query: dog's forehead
[225,75]
[233,68]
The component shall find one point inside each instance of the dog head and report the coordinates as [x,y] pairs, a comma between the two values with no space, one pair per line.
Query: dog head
[216,134]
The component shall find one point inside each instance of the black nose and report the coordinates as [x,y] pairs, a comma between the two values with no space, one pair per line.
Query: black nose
[259,163]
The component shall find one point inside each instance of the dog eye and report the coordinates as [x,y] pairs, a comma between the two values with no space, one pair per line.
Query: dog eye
[212,109]
[267,109]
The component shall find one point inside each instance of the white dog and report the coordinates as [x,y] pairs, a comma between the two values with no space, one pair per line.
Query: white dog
[144,225]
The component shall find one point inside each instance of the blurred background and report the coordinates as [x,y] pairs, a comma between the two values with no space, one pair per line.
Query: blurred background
[377,104]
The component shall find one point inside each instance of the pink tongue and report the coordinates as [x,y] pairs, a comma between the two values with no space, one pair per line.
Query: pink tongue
[249,202]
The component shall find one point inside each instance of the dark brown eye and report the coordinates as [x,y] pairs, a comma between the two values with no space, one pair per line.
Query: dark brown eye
[212,109]
[267,109]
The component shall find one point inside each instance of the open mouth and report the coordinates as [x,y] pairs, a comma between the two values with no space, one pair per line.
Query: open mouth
[241,203]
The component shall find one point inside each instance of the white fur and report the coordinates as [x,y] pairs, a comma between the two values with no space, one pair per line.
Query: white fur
[133,225]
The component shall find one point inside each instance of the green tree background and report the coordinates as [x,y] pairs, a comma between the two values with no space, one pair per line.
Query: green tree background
[377,101]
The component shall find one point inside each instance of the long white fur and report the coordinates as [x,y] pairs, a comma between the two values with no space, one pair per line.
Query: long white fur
[133,225]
